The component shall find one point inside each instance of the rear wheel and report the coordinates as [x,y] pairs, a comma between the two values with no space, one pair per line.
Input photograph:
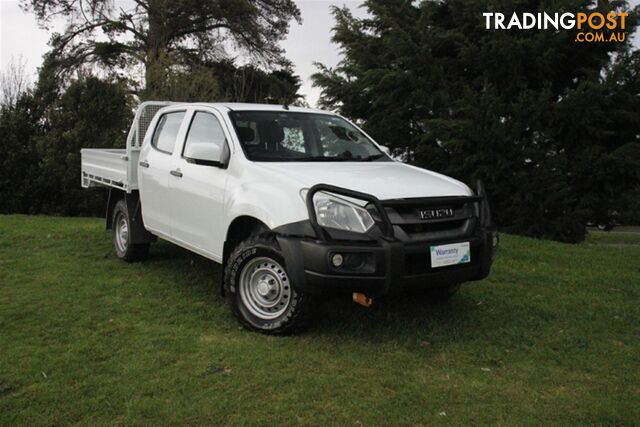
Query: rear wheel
[121,223]
[259,291]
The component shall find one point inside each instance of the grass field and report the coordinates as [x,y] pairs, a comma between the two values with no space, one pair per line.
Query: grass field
[553,336]
[620,235]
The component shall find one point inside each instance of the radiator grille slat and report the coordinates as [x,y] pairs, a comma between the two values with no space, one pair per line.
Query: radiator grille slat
[409,225]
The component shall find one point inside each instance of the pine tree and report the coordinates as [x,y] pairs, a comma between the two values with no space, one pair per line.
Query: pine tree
[543,120]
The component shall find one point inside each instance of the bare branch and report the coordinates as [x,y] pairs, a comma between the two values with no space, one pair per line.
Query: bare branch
[13,82]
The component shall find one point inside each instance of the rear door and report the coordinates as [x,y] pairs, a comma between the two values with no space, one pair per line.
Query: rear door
[197,191]
[154,169]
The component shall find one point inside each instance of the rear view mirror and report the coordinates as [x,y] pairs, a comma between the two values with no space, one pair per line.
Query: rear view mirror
[206,153]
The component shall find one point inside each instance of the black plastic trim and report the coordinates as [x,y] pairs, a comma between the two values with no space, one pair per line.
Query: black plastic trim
[139,233]
[307,247]
[308,264]
[387,230]
[432,201]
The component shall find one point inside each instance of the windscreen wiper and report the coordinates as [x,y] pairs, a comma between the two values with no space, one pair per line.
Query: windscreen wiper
[322,159]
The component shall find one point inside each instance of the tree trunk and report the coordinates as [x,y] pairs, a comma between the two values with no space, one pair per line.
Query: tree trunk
[156,48]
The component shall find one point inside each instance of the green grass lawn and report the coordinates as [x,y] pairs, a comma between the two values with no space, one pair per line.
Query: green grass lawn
[553,336]
[615,237]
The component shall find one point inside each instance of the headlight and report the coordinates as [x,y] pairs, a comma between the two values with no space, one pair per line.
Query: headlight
[335,212]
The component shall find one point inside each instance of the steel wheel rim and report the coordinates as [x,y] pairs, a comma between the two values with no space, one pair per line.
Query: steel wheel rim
[264,288]
[122,233]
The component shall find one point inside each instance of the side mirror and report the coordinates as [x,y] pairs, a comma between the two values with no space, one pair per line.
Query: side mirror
[206,153]
[386,150]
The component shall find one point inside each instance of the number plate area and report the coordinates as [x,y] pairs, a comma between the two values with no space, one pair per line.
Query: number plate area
[451,254]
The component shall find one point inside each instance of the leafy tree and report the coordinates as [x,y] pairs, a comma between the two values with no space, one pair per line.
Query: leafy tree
[19,160]
[42,137]
[163,34]
[223,80]
[44,130]
[549,124]
[70,124]
[181,45]
[250,84]
[184,83]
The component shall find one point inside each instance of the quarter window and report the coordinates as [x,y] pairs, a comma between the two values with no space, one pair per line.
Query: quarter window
[166,133]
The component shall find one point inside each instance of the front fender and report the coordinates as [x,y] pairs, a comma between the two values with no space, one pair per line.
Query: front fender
[273,205]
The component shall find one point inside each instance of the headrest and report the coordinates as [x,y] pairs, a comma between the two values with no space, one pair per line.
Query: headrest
[273,132]
[245,134]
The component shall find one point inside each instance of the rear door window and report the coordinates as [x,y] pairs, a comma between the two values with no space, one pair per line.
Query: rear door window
[166,132]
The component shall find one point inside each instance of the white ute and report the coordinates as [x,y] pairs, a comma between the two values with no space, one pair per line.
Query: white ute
[294,203]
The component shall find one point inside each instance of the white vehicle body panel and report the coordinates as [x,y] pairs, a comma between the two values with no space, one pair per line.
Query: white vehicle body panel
[104,167]
[196,209]
[386,180]
[197,199]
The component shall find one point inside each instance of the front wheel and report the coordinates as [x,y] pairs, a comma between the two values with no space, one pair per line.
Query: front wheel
[259,290]
[126,250]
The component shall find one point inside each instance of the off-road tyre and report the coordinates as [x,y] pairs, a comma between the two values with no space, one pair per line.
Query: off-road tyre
[249,264]
[125,250]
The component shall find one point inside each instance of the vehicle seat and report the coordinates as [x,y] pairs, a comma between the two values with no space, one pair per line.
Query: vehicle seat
[245,134]
[273,136]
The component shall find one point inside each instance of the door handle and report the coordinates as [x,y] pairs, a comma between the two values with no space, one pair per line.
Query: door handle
[143,164]
[176,173]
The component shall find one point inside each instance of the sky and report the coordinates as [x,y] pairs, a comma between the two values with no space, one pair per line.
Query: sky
[305,44]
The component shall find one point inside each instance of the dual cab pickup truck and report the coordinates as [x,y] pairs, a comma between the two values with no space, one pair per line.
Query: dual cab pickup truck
[294,203]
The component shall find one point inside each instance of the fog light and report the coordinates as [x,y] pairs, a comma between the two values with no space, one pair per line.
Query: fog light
[354,261]
[337,260]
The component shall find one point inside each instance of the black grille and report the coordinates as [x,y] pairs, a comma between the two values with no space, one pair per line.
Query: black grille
[431,227]
[409,226]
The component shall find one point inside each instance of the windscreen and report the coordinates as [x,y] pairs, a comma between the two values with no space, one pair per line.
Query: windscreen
[271,136]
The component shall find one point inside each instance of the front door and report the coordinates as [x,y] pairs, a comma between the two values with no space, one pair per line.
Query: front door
[154,167]
[197,190]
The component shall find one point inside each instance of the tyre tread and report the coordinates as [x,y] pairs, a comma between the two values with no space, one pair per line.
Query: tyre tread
[134,253]
[299,319]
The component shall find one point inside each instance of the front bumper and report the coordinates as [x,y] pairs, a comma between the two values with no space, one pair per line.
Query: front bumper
[388,266]
[390,261]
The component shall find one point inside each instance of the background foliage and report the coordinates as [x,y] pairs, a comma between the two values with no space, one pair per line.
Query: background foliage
[41,172]
[163,35]
[85,94]
[550,125]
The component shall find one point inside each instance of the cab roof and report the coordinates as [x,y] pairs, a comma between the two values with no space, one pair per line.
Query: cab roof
[240,106]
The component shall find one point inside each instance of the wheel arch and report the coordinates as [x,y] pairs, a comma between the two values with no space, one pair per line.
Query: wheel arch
[139,233]
[113,197]
[240,229]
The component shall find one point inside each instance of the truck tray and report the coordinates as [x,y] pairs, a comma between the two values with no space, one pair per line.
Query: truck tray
[108,168]
[118,168]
